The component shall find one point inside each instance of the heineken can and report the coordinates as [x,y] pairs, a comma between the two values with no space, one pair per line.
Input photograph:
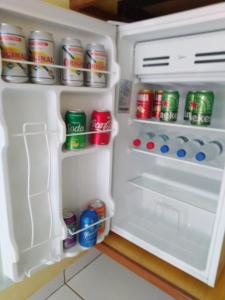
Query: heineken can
[75,124]
[189,105]
[169,106]
[202,111]
[13,46]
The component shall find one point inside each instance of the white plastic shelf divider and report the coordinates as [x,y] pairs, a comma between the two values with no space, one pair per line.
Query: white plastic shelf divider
[183,161]
[195,198]
[85,151]
[178,125]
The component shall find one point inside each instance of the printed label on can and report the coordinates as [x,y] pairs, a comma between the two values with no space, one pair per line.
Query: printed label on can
[42,51]
[73,57]
[95,60]
[13,47]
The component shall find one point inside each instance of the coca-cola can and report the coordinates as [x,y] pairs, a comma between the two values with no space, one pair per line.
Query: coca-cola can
[101,120]
[145,100]
[157,104]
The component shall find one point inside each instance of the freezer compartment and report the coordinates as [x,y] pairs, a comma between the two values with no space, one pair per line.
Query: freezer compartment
[30,142]
[85,178]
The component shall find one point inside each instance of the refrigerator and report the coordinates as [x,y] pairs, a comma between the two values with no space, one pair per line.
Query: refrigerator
[172,208]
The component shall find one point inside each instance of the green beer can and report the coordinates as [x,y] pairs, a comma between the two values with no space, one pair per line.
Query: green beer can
[189,105]
[75,123]
[202,110]
[169,106]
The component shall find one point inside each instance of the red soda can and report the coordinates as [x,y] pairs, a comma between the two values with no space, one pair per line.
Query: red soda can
[145,100]
[100,121]
[157,104]
[100,208]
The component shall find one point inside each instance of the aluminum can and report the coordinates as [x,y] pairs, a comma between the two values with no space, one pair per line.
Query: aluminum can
[202,111]
[100,208]
[145,100]
[71,223]
[157,102]
[95,59]
[41,50]
[189,105]
[100,121]
[72,56]
[75,123]
[12,44]
[88,237]
[169,107]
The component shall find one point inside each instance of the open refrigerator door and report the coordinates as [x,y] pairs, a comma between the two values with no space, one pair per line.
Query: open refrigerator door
[38,177]
[172,207]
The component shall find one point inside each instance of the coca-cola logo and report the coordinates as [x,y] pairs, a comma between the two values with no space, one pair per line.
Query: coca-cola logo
[98,126]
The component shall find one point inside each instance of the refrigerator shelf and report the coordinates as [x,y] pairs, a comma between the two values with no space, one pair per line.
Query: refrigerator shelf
[176,191]
[213,166]
[85,151]
[178,125]
[56,87]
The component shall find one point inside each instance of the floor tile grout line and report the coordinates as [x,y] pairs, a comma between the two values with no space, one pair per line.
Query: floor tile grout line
[55,291]
[75,292]
[83,267]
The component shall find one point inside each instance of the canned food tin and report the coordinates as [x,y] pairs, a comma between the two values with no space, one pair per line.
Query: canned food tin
[169,107]
[202,111]
[145,100]
[41,49]
[72,56]
[95,59]
[12,44]
[75,123]
[100,208]
[88,237]
[189,105]
[71,223]
[156,110]
[100,121]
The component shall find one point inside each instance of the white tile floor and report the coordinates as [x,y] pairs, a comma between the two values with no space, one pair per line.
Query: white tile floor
[105,279]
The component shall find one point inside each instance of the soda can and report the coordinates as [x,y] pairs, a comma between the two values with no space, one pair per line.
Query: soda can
[100,208]
[95,59]
[88,237]
[12,44]
[75,123]
[202,111]
[100,121]
[41,50]
[189,105]
[145,100]
[157,102]
[169,107]
[72,56]
[71,224]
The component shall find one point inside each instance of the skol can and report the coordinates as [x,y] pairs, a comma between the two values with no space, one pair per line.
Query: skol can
[145,100]
[95,59]
[71,223]
[100,121]
[41,50]
[72,56]
[189,105]
[156,110]
[169,107]
[75,123]
[12,44]
[100,208]
[88,237]
[202,111]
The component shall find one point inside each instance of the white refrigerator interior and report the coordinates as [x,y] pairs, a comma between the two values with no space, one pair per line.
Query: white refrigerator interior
[173,208]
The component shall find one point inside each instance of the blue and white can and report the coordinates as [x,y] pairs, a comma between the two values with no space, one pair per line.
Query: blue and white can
[88,237]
